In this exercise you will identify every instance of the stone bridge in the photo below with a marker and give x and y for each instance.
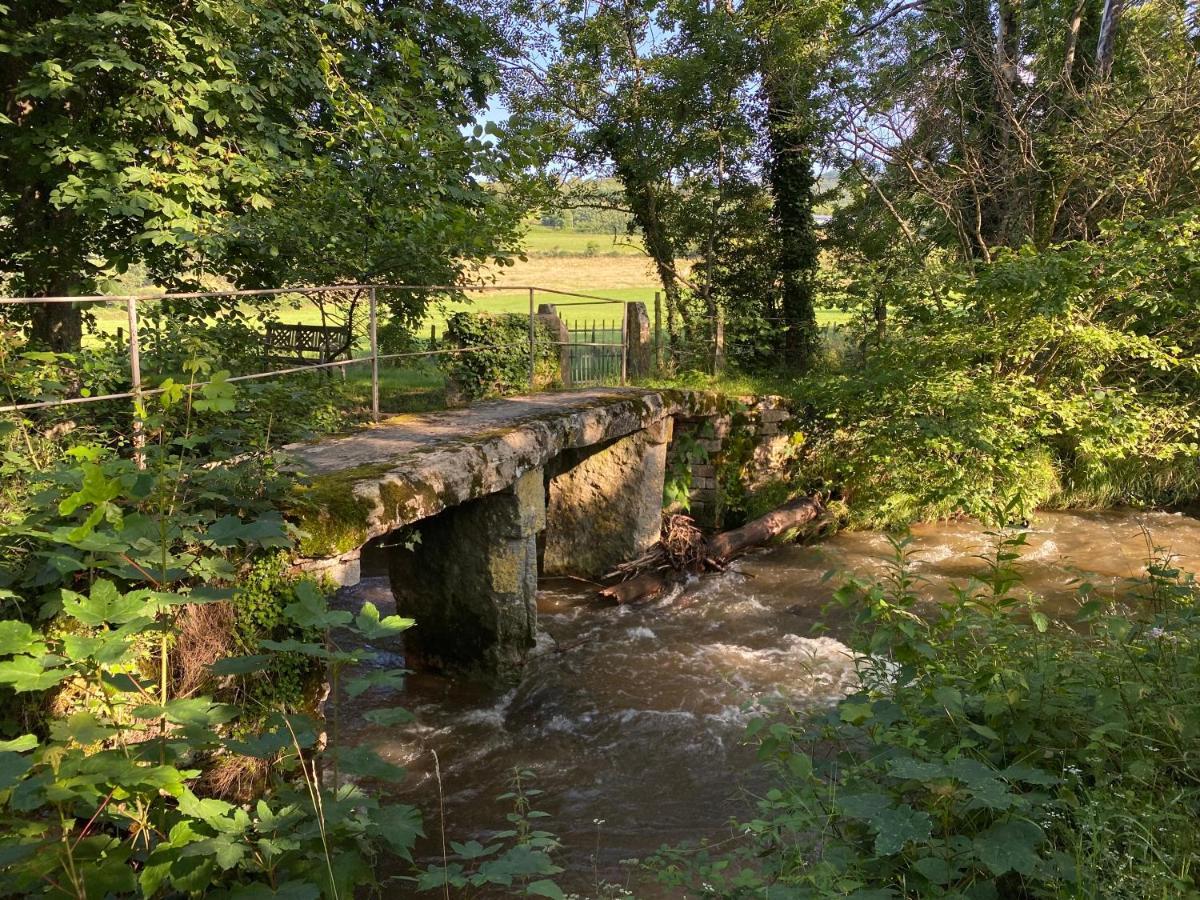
(471, 505)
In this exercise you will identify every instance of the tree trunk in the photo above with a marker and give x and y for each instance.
(643, 200)
(1107, 42)
(983, 145)
(789, 169)
(788, 517)
(57, 327)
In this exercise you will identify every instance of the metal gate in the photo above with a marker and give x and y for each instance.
(596, 351)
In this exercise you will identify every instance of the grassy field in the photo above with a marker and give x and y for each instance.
(625, 275)
(543, 241)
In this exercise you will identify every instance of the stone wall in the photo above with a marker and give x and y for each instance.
(752, 435)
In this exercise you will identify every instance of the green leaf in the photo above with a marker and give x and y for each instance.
(474, 849)
(545, 888)
(105, 605)
(916, 769)
(800, 765)
(1030, 775)
(950, 698)
(15, 637)
(984, 731)
(392, 679)
(81, 727)
(372, 627)
(399, 825)
(193, 711)
(26, 673)
(225, 849)
(938, 870)
(311, 609)
(1010, 846)
(291, 645)
(19, 745)
(896, 827)
(13, 767)
(289, 890)
(13, 852)
(863, 806)
(519, 861)
(366, 762)
(854, 712)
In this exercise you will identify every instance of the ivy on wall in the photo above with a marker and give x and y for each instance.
(500, 363)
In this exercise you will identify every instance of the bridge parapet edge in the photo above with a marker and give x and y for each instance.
(342, 510)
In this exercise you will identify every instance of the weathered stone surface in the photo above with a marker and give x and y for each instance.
(605, 503)
(640, 350)
(412, 467)
(560, 334)
(471, 581)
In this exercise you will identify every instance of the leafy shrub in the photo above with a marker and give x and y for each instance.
(104, 744)
(990, 751)
(501, 365)
(1068, 375)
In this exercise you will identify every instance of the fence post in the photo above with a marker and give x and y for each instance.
(374, 357)
(624, 342)
(532, 348)
(658, 332)
(135, 380)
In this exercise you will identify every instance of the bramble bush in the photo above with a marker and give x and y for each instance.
(991, 750)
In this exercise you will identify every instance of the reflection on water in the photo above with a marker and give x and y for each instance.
(632, 718)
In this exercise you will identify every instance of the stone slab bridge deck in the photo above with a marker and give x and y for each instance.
(561, 483)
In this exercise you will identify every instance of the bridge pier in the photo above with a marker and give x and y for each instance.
(604, 503)
(471, 582)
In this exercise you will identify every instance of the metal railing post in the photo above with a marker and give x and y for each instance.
(135, 381)
(532, 343)
(374, 357)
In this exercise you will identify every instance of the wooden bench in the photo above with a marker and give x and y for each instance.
(302, 344)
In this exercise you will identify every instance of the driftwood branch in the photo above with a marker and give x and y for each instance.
(682, 551)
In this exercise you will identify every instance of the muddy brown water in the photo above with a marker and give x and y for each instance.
(635, 733)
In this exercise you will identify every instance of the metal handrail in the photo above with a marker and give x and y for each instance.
(137, 392)
(306, 289)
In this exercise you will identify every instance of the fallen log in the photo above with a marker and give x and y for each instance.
(717, 550)
(789, 517)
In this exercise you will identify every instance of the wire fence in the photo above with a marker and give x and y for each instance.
(359, 293)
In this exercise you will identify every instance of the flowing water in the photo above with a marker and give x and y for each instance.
(632, 718)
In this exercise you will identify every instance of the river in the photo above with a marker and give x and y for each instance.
(632, 718)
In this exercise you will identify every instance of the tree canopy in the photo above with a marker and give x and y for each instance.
(270, 143)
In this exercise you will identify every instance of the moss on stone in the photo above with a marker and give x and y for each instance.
(336, 519)
(330, 513)
(398, 496)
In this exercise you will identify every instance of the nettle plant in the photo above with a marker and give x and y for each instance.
(118, 700)
(990, 751)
